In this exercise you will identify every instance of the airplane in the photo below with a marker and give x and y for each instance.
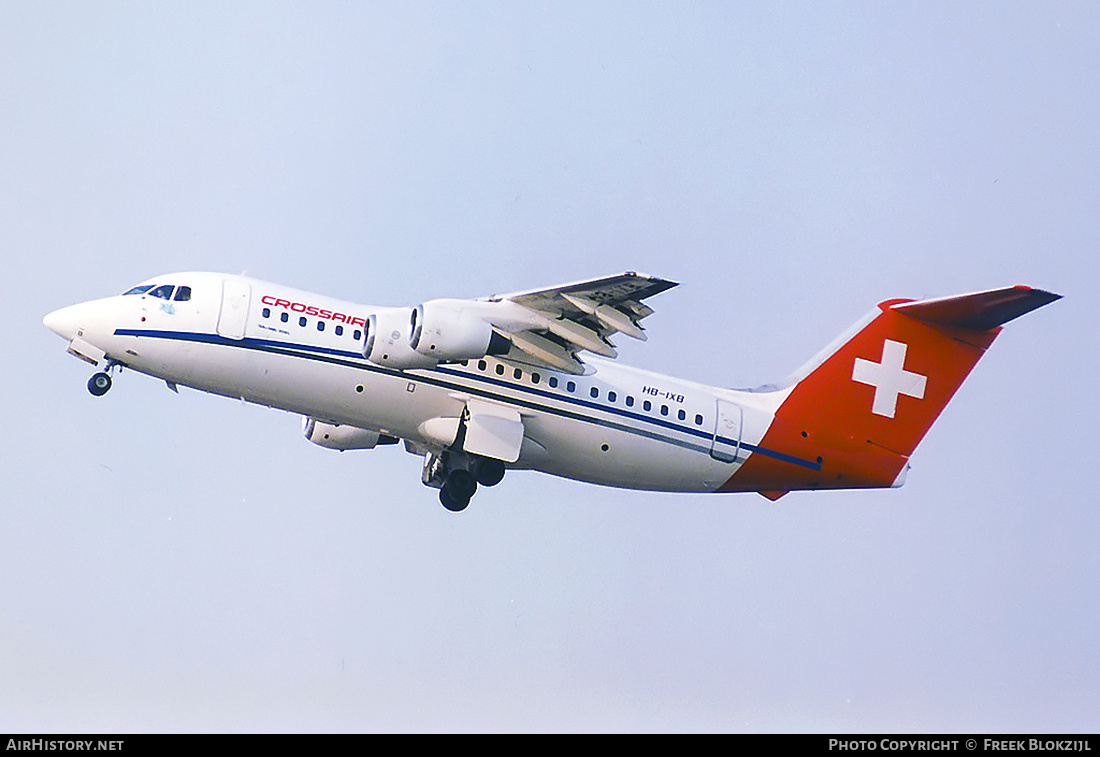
(529, 380)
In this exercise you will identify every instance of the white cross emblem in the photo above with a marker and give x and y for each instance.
(889, 378)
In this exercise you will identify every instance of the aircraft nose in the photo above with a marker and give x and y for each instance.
(63, 322)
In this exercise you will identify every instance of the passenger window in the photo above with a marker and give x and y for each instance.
(357, 335)
(183, 294)
(500, 369)
(594, 392)
(681, 415)
(535, 378)
(664, 409)
(164, 292)
(339, 330)
(647, 406)
(611, 396)
(629, 401)
(266, 312)
(302, 321)
(481, 365)
(698, 420)
(517, 374)
(284, 317)
(320, 325)
(553, 382)
(571, 387)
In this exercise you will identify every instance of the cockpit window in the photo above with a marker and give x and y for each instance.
(164, 291)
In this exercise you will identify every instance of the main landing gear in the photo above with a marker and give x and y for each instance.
(100, 383)
(457, 474)
(457, 489)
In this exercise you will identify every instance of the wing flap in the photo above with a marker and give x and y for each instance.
(544, 351)
(569, 319)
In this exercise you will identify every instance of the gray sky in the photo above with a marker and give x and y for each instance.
(189, 563)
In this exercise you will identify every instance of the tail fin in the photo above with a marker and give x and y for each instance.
(859, 412)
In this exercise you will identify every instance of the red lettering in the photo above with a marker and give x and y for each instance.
(301, 307)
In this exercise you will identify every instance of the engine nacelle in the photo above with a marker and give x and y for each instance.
(386, 340)
(339, 437)
(447, 333)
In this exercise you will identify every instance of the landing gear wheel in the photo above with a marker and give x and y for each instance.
(457, 490)
(461, 483)
(99, 384)
(488, 471)
(452, 504)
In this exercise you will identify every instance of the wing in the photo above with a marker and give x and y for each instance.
(551, 326)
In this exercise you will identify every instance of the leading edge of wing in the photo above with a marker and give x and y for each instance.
(630, 285)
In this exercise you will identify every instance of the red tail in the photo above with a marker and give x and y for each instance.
(856, 416)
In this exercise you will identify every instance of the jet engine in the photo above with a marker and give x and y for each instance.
(439, 331)
(386, 340)
(342, 438)
(446, 332)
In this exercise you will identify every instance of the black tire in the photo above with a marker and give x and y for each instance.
(99, 384)
(461, 484)
(448, 501)
(488, 471)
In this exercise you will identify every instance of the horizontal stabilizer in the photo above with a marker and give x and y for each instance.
(981, 311)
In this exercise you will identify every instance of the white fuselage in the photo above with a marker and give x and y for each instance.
(303, 353)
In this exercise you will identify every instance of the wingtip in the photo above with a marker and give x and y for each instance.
(669, 283)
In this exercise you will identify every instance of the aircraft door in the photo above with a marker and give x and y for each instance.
(726, 442)
(236, 295)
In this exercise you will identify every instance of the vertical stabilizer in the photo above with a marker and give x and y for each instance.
(857, 415)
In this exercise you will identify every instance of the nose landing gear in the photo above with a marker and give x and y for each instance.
(100, 383)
